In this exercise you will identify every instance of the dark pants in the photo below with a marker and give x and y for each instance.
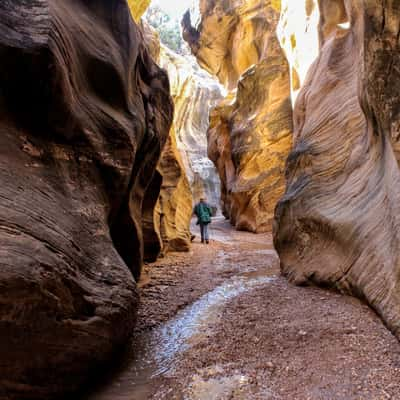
(204, 232)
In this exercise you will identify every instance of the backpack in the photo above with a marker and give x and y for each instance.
(203, 212)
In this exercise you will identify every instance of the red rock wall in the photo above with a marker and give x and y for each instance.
(84, 114)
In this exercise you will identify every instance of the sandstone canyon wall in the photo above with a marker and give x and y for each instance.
(84, 114)
(338, 222)
(175, 204)
(250, 130)
(167, 225)
(194, 92)
(184, 168)
(138, 8)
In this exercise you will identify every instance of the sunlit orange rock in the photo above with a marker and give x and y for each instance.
(175, 204)
(138, 8)
(250, 132)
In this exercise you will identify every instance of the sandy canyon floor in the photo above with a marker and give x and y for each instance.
(220, 323)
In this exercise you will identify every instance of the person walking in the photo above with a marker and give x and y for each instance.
(203, 213)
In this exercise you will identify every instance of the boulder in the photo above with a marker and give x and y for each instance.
(84, 114)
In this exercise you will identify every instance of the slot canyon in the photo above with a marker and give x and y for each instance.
(198, 199)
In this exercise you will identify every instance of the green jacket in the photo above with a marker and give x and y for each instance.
(203, 213)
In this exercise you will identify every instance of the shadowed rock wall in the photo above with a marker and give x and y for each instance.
(84, 113)
(338, 222)
(250, 130)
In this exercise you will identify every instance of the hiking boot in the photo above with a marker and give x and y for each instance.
(202, 241)
(207, 241)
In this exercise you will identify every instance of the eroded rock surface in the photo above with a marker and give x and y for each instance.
(194, 93)
(250, 130)
(175, 204)
(167, 225)
(84, 113)
(338, 221)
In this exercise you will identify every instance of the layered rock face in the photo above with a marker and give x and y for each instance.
(175, 203)
(84, 113)
(194, 93)
(250, 130)
(166, 226)
(338, 222)
(184, 168)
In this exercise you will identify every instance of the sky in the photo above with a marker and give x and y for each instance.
(174, 8)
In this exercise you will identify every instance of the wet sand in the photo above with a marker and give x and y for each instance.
(221, 323)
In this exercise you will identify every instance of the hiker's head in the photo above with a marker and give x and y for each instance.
(202, 200)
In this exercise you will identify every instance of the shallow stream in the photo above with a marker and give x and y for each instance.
(156, 352)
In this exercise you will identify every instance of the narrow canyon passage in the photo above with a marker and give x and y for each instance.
(120, 119)
(221, 323)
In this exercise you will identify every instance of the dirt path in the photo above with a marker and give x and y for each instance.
(220, 323)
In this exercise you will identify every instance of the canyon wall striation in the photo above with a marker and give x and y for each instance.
(338, 222)
(250, 130)
(167, 225)
(194, 92)
(186, 172)
(84, 114)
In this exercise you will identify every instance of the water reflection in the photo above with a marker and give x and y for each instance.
(154, 354)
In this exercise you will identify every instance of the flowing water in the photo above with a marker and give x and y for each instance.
(156, 352)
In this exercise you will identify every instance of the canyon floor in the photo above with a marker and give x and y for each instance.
(220, 323)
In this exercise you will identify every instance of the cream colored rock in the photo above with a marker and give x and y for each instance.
(250, 131)
(338, 222)
(166, 227)
(298, 35)
(195, 93)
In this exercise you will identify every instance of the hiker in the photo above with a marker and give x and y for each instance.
(203, 213)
